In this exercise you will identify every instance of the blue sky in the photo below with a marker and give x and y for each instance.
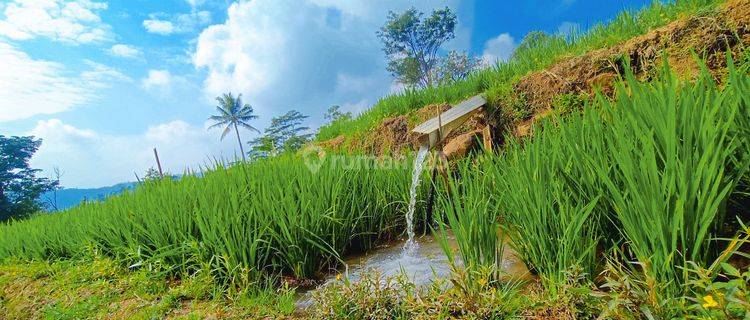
(103, 82)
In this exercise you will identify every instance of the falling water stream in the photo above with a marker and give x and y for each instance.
(415, 179)
(421, 259)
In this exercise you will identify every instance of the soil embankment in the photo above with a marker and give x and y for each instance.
(708, 36)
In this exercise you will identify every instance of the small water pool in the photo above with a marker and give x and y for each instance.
(422, 263)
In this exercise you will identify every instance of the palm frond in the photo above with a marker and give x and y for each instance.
(217, 118)
(247, 126)
(216, 125)
(222, 111)
(226, 131)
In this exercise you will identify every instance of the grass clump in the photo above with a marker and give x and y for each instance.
(100, 288)
(378, 297)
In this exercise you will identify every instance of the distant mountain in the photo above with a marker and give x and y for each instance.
(70, 197)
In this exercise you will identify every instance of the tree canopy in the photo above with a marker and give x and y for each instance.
(20, 188)
(412, 45)
(286, 133)
(334, 114)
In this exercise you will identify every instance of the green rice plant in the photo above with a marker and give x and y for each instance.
(540, 195)
(672, 148)
(549, 221)
(245, 224)
(473, 221)
(651, 172)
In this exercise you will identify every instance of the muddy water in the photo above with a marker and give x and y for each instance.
(423, 262)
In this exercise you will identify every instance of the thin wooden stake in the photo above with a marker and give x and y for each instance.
(487, 138)
(158, 163)
(440, 127)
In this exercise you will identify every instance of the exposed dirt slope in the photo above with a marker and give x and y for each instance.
(708, 35)
(394, 134)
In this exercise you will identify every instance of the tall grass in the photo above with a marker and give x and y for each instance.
(473, 223)
(651, 172)
(248, 221)
(672, 148)
(534, 55)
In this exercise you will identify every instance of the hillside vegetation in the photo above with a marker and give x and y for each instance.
(554, 70)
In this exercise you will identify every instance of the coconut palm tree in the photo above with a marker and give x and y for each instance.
(233, 114)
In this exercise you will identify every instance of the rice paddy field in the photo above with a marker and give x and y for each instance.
(629, 205)
(249, 222)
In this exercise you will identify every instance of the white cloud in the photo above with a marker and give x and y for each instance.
(164, 83)
(126, 51)
(159, 27)
(157, 78)
(99, 75)
(31, 87)
(165, 24)
(567, 28)
(73, 21)
(499, 48)
(196, 3)
(328, 54)
(92, 159)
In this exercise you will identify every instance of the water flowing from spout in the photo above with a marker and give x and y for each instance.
(415, 178)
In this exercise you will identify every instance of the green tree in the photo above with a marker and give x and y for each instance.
(20, 189)
(262, 147)
(412, 44)
(152, 174)
(286, 133)
(334, 114)
(233, 114)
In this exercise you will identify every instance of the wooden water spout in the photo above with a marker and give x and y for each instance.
(433, 131)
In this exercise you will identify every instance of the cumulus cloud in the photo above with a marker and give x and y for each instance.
(166, 24)
(158, 26)
(126, 51)
(164, 83)
(157, 78)
(31, 87)
(92, 159)
(328, 54)
(499, 48)
(196, 3)
(73, 21)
